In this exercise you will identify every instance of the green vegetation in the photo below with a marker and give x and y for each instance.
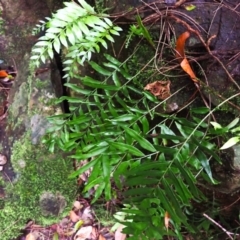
(155, 161)
(23, 195)
(79, 29)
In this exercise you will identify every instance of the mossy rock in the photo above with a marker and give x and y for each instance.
(41, 172)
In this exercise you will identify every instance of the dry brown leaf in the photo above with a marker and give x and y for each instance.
(94, 233)
(73, 216)
(160, 89)
(87, 214)
(166, 220)
(180, 45)
(101, 237)
(83, 233)
(31, 236)
(187, 68)
(77, 205)
(119, 235)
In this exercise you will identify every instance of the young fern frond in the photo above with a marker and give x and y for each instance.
(78, 28)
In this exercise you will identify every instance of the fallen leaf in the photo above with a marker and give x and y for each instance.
(3, 74)
(166, 220)
(83, 233)
(101, 237)
(94, 233)
(78, 225)
(180, 54)
(87, 215)
(118, 234)
(73, 216)
(187, 68)
(160, 89)
(180, 44)
(31, 236)
(55, 236)
(77, 205)
(190, 7)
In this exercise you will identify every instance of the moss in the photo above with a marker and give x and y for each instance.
(41, 172)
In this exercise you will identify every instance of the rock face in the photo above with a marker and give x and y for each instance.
(32, 169)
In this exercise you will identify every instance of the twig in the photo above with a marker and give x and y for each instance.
(224, 230)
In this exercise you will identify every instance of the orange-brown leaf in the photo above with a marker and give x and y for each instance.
(73, 216)
(180, 44)
(101, 237)
(166, 220)
(3, 74)
(187, 68)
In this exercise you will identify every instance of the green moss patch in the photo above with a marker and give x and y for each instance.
(39, 172)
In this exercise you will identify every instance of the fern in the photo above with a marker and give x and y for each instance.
(159, 175)
(110, 125)
(76, 27)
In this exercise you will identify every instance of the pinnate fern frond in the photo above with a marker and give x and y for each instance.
(111, 126)
(76, 27)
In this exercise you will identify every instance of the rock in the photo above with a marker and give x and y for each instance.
(39, 125)
(52, 204)
(3, 159)
(236, 158)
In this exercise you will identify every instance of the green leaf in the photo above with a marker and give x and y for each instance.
(110, 38)
(200, 110)
(94, 152)
(205, 163)
(233, 123)
(87, 6)
(88, 81)
(77, 88)
(125, 148)
(109, 22)
(116, 79)
(42, 43)
(100, 69)
(142, 141)
(167, 204)
(216, 125)
(50, 53)
(91, 20)
(172, 196)
(231, 142)
(56, 23)
(83, 27)
(70, 36)
(188, 177)
(145, 125)
(54, 30)
(56, 45)
(150, 97)
(166, 130)
(99, 191)
(124, 118)
(182, 189)
(83, 168)
(112, 59)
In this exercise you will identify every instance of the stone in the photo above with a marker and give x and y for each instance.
(3, 159)
(52, 204)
